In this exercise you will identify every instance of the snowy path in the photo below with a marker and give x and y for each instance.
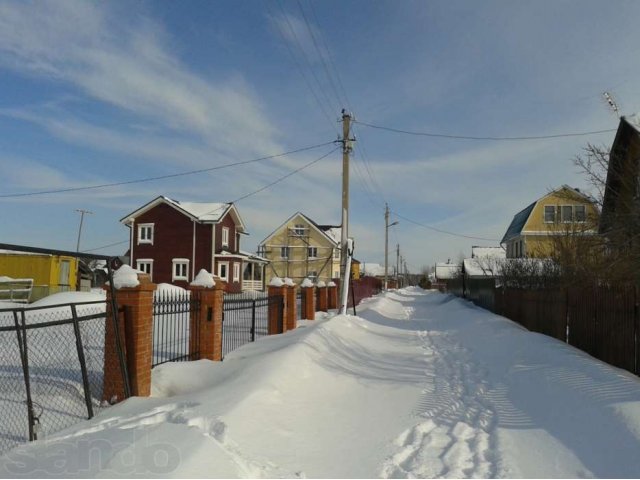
(419, 385)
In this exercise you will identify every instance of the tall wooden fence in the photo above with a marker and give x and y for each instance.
(602, 321)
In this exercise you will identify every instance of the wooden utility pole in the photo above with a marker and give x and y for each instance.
(346, 150)
(81, 212)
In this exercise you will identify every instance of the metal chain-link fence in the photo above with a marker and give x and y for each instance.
(52, 369)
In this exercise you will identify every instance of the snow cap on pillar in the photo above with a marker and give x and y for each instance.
(203, 279)
(276, 282)
(306, 283)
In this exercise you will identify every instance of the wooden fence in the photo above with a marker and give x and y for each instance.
(602, 321)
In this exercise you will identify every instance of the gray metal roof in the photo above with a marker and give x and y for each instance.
(518, 222)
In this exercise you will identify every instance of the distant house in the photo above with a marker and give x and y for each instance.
(445, 274)
(50, 273)
(301, 248)
(621, 203)
(532, 231)
(172, 240)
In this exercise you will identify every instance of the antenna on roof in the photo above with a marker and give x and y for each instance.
(611, 103)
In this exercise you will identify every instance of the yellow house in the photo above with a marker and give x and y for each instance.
(301, 248)
(50, 273)
(534, 231)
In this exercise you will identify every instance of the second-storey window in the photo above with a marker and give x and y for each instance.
(312, 252)
(284, 252)
(549, 213)
(145, 233)
(567, 213)
(180, 269)
(236, 272)
(298, 229)
(225, 236)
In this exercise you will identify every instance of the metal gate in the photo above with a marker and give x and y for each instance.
(176, 332)
(245, 318)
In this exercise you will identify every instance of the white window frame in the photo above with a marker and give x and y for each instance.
(182, 262)
(312, 275)
(225, 236)
(336, 254)
(311, 250)
(562, 209)
(236, 272)
(143, 227)
(145, 261)
(226, 276)
(299, 229)
(544, 214)
(286, 252)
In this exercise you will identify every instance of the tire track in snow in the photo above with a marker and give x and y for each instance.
(455, 437)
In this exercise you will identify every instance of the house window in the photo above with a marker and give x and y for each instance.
(567, 213)
(180, 269)
(225, 236)
(336, 253)
(145, 265)
(299, 230)
(284, 252)
(336, 274)
(580, 213)
(223, 271)
(236, 272)
(549, 214)
(312, 252)
(145, 233)
(313, 274)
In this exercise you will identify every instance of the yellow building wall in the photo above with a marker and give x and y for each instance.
(297, 266)
(355, 270)
(540, 245)
(43, 269)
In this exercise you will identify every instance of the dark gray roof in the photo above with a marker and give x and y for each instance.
(517, 224)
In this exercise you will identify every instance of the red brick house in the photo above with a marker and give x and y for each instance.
(172, 241)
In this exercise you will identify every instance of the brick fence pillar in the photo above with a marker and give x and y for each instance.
(277, 310)
(136, 333)
(321, 290)
(206, 332)
(291, 310)
(332, 296)
(309, 302)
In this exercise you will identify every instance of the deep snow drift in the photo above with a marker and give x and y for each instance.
(420, 384)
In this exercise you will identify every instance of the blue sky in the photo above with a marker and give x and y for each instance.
(101, 92)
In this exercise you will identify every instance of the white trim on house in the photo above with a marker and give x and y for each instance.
(145, 261)
(180, 275)
(236, 272)
(224, 277)
(143, 238)
(225, 236)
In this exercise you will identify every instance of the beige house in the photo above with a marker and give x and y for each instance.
(534, 231)
(301, 248)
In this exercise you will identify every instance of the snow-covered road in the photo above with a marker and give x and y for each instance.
(420, 384)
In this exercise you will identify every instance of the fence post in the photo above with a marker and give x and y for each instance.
(138, 325)
(277, 309)
(321, 291)
(332, 296)
(290, 312)
(309, 302)
(208, 331)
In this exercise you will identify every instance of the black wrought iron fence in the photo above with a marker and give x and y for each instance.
(176, 333)
(245, 318)
(52, 369)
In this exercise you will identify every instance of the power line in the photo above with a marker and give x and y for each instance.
(162, 177)
(261, 189)
(105, 246)
(429, 227)
(467, 137)
(304, 76)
